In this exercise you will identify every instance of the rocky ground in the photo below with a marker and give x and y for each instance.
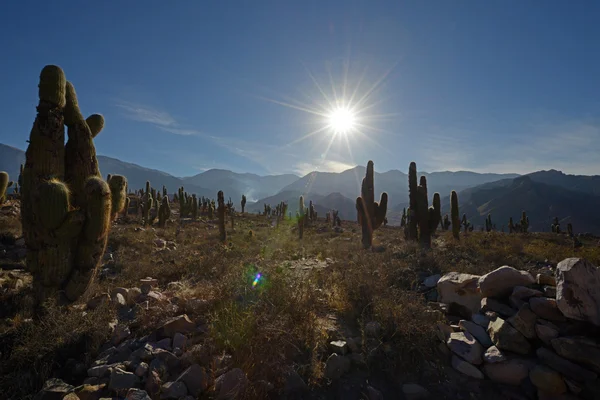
(177, 315)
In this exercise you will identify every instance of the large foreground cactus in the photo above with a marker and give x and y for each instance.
(66, 205)
(4, 185)
(370, 213)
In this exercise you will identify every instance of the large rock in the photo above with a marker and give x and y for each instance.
(524, 321)
(546, 331)
(195, 379)
(464, 367)
(53, 389)
(564, 366)
(477, 331)
(459, 288)
(579, 349)
(510, 372)
(489, 304)
(493, 355)
(231, 384)
(547, 380)
(506, 337)
(173, 390)
(546, 308)
(121, 380)
(179, 324)
(465, 345)
(578, 290)
(501, 282)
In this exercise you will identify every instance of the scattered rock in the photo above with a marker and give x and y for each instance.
(432, 281)
(164, 344)
(525, 293)
(137, 394)
(120, 333)
(547, 380)
(90, 392)
(443, 331)
(465, 345)
(231, 384)
(339, 347)
(179, 341)
(336, 366)
(460, 288)
(501, 281)
(546, 308)
(120, 380)
(141, 370)
(524, 321)
(543, 279)
(489, 304)
(53, 389)
(195, 379)
(98, 301)
(481, 320)
(374, 394)
(179, 324)
(147, 284)
(373, 329)
(100, 371)
(564, 366)
(119, 300)
(510, 372)
(546, 331)
(493, 355)
(294, 383)
(550, 291)
(153, 384)
(477, 331)
(578, 349)
(412, 391)
(464, 367)
(578, 290)
(160, 244)
(132, 295)
(505, 337)
(173, 390)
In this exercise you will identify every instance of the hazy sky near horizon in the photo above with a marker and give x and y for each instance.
(185, 86)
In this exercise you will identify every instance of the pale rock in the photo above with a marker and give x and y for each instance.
(546, 308)
(493, 355)
(524, 321)
(336, 366)
(179, 324)
(506, 337)
(578, 290)
(509, 372)
(466, 368)
(501, 281)
(477, 331)
(465, 345)
(460, 288)
(338, 346)
(547, 380)
(119, 300)
(543, 279)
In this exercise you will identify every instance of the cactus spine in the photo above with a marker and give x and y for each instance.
(164, 212)
(221, 214)
(454, 215)
(65, 203)
(118, 192)
(370, 213)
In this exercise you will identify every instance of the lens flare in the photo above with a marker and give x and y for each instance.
(256, 280)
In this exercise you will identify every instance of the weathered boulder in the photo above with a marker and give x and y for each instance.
(179, 324)
(489, 304)
(578, 290)
(546, 331)
(547, 380)
(481, 320)
(524, 321)
(506, 337)
(53, 389)
(546, 308)
(464, 367)
(173, 390)
(195, 378)
(231, 384)
(501, 282)
(493, 355)
(564, 366)
(525, 293)
(459, 288)
(465, 345)
(477, 331)
(120, 380)
(579, 349)
(509, 372)
(545, 279)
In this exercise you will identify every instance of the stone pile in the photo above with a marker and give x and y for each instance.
(538, 333)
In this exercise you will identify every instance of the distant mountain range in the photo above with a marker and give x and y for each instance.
(543, 194)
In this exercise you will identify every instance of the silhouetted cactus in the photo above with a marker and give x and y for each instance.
(437, 207)
(371, 214)
(465, 223)
(127, 204)
(511, 225)
(164, 212)
(413, 200)
(65, 204)
(556, 225)
(118, 192)
(570, 230)
(454, 215)
(301, 217)
(3, 185)
(488, 223)
(243, 202)
(221, 214)
(194, 207)
(446, 223)
(524, 222)
(403, 219)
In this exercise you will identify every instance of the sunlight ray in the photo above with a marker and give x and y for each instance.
(318, 87)
(282, 103)
(376, 85)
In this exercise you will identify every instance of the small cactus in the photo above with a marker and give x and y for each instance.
(454, 214)
(221, 214)
(555, 226)
(488, 223)
(118, 192)
(524, 222)
(301, 217)
(413, 199)
(3, 185)
(243, 202)
(164, 212)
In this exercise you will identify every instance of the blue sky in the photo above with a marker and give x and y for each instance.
(185, 86)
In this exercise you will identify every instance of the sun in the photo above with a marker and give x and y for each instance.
(342, 120)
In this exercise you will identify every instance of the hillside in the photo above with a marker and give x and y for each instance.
(323, 204)
(542, 202)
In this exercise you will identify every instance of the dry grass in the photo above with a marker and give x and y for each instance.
(285, 321)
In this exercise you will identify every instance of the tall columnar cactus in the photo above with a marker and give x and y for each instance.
(412, 196)
(20, 180)
(118, 192)
(66, 205)
(371, 214)
(570, 229)
(194, 207)
(164, 212)
(164, 191)
(437, 207)
(524, 222)
(243, 202)
(147, 204)
(511, 225)
(427, 217)
(556, 225)
(311, 209)
(488, 223)
(301, 217)
(3, 185)
(454, 215)
(445, 223)
(465, 223)
(221, 213)
(127, 204)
